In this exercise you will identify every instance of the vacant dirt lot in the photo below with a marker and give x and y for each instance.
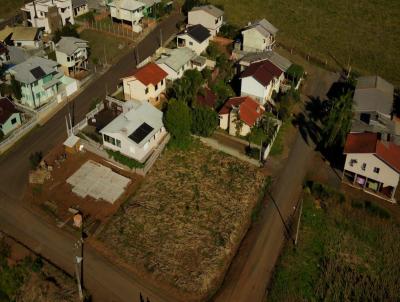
(186, 221)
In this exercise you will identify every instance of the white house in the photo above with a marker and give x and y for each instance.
(260, 80)
(127, 11)
(10, 116)
(147, 84)
(259, 36)
(21, 36)
(136, 132)
(49, 14)
(80, 7)
(209, 16)
(239, 115)
(176, 61)
(372, 164)
(72, 54)
(196, 38)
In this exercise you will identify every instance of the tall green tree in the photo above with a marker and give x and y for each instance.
(187, 88)
(204, 121)
(68, 30)
(338, 121)
(177, 120)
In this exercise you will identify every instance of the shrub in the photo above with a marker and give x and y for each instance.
(68, 30)
(126, 161)
(35, 159)
(204, 121)
(178, 122)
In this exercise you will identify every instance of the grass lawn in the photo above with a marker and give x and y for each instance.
(365, 31)
(102, 45)
(186, 221)
(346, 252)
(10, 7)
(278, 145)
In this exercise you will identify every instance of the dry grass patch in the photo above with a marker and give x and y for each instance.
(188, 218)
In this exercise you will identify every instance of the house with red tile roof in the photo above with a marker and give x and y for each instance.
(372, 164)
(10, 116)
(146, 84)
(239, 115)
(259, 80)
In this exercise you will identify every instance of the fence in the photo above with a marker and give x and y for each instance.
(111, 28)
(83, 123)
(267, 150)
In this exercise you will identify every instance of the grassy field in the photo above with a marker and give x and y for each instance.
(346, 252)
(105, 46)
(188, 218)
(366, 32)
(10, 7)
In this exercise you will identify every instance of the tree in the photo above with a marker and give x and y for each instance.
(204, 121)
(338, 121)
(189, 4)
(16, 88)
(68, 30)
(178, 122)
(229, 31)
(223, 92)
(186, 88)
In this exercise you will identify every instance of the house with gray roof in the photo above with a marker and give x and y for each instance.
(253, 57)
(136, 132)
(209, 16)
(373, 105)
(259, 36)
(41, 81)
(176, 61)
(72, 54)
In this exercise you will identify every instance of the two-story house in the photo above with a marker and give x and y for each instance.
(372, 164)
(259, 80)
(373, 104)
(259, 36)
(239, 115)
(72, 54)
(128, 12)
(21, 36)
(147, 84)
(80, 7)
(41, 81)
(196, 38)
(49, 14)
(209, 16)
(10, 116)
(136, 132)
(176, 61)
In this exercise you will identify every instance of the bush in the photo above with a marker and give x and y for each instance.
(295, 72)
(126, 161)
(371, 208)
(35, 159)
(204, 121)
(229, 31)
(68, 30)
(178, 122)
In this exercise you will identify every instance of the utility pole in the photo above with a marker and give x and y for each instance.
(105, 55)
(298, 222)
(78, 222)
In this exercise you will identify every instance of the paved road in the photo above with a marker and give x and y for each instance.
(252, 268)
(105, 281)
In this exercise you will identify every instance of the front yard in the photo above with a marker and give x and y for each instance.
(186, 221)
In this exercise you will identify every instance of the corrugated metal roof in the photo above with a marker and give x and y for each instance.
(211, 9)
(176, 58)
(263, 27)
(69, 45)
(23, 70)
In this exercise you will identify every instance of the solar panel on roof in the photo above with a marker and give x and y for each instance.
(38, 72)
(140, 133)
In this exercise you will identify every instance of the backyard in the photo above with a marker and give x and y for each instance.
(346, 252)
(364, 33)
(186, 221)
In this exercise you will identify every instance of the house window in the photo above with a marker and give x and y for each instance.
(68, 59)
(118, 143)
(216, 21)
(156, 87)
(376, 170)
(162, 82)
(352, 162)
(14, 121)
(109, 139)
(363, 166)
(146, 91)
(190, 43)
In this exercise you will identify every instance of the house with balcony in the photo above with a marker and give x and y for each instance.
(136, 132)
(176, 61)
(42, 81)
(80, 7)
(259, 36)
(72, 55)
(259, 80)
(195, 37)
(209, 16)
(239, 115)
(147, 84)
(10, 116)
(372, 164)
(48, 14)
(373, 104)
(128, 12)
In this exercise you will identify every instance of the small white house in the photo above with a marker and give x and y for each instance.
(49, 14)
(196, 38)
(127, 11)
(80, 7)
(209, 16)
(260, 80)
(147, 84)
(259, 36)
(176, 61)
(371, 164)
(10, 116)
(21, 36)
(72, 54)
(239, 115)
(136, 132)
